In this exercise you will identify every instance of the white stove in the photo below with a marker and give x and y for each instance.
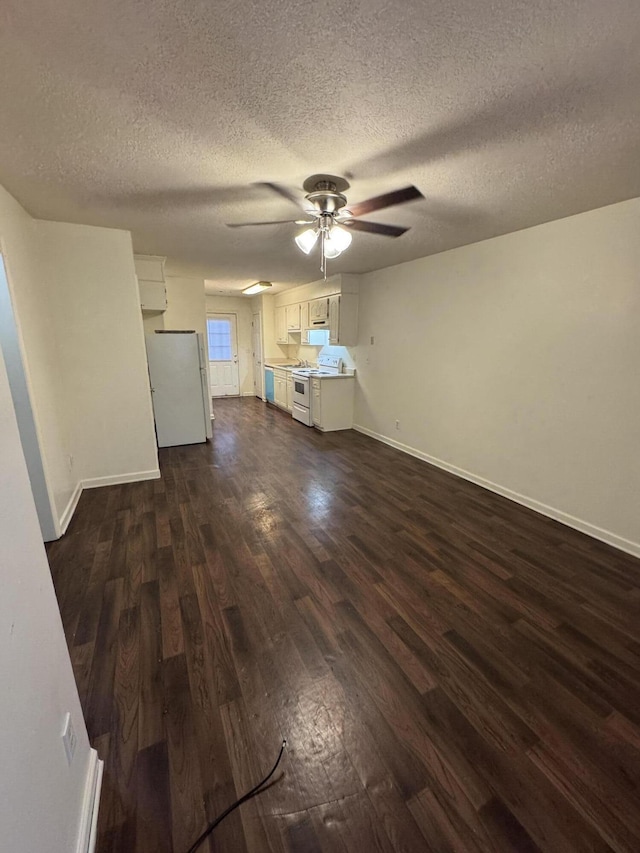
(328, 365)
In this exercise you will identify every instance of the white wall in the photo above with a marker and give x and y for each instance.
(19, 240)
(243, 308)
(41, 797)
(516, 361)
(94, 310)
(11, 347)
(77, 310)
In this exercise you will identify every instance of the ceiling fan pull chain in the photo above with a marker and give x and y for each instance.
(323, 260)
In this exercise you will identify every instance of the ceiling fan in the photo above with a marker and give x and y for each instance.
(328, 217)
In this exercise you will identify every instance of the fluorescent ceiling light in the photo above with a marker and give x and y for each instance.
(258, 287)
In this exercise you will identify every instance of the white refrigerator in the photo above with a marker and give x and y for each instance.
(179, 387)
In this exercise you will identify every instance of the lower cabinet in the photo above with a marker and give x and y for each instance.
(280, 388)
(332, 403)
(289, 391)
(316, 403)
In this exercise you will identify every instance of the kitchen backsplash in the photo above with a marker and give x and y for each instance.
(308, 353)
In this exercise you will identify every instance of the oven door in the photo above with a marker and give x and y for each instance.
(301, 392)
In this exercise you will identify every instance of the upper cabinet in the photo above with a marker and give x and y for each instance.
(318, 311)
(304, 323)
(282, 335)
(293, 317)
(334, 319)
(343, 320)
(153, 295)
(150, 274)
(330, 305)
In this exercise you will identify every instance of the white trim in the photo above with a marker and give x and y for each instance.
(248, 394)
(613, 539)
(88, 831)
(118, 479)
(96, 482)
(70, 508)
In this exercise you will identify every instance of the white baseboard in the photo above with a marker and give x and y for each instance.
(88, 831)
(599, 533)
(96, 482)
(70, 508)
(117, 479)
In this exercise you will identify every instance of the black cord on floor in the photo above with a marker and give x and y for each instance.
(252, 793)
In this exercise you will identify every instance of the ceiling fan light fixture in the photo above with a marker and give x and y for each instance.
(340, 238)
(330, 251)
(307, 240)
(258, 287)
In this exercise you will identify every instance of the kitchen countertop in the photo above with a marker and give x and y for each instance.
(291, 367)
(332, 376)
(281, 366)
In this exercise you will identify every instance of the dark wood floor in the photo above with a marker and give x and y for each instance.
(451, 671)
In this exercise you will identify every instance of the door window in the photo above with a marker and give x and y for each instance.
(219, 340)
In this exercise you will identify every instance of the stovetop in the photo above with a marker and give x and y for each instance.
(329, 365)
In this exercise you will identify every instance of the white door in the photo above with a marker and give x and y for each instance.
(222, 339)
(258, 373)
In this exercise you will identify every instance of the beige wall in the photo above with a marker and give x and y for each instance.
(515, 361)
(36, 369)
(243, 309)
(94, 310)
(77, 310)
(41, 798)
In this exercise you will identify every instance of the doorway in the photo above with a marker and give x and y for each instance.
(256, 342)
(10, 345)
(222, 340)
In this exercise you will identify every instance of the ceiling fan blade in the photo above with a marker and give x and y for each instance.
(376, 228)
(387, 200)
(274, 222)
(285, 193)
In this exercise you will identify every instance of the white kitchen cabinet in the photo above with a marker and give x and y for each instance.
(280, 388)
(282, 336)
(292, 314)
(304, 323)
(332, 403)
(318, 310)
(316, 403)
(334, 319)
(343, 319)
(289, 405)
(153, 295)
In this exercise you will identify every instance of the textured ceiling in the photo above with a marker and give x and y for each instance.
(161, 116)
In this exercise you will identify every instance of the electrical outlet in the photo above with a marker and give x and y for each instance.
(397, 424)
(371, 340)
(69, 738)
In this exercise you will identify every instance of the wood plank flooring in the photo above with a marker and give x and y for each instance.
(452, 672)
